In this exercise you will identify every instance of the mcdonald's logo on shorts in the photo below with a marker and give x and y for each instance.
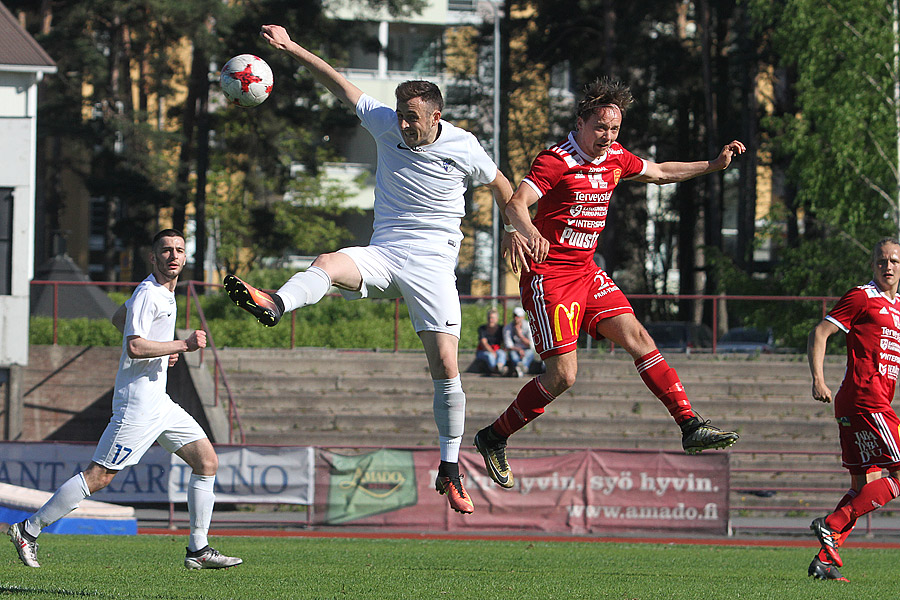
(571, 316)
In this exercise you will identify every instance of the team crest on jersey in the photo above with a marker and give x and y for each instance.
(616, 174)
(448, 164)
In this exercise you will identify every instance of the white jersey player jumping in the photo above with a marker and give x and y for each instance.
(144, 413)
(424, 164)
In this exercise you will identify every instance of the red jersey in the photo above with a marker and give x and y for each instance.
(574, 191)
(872, 324)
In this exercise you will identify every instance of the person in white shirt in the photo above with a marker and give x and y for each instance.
(144, 413)
(424, 166)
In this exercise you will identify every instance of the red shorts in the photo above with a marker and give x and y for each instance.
(559, 303)
(870, 440)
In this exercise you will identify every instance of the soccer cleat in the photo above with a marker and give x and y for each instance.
(209, 558)
(456, 494)
(494, 454)
(823, 570)
(27, 549)
(828, 539)
(698, 436)
(259, 304)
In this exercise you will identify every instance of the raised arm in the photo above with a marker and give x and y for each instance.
(337, 84)
(674, 172)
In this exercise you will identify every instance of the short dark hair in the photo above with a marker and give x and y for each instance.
(165, 233)
(425, 90)
(604, 91)
(883, 242)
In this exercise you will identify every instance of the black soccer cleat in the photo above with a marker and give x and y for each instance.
(698, 435)
(493, 450)
(266, 308)
(823, 570)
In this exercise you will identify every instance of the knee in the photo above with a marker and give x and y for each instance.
(207, 464)
(323, 261)
(97, 478)
(558, 381)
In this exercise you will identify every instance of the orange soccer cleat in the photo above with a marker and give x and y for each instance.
(456, 494)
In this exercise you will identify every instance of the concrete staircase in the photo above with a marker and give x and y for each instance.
(316, 396)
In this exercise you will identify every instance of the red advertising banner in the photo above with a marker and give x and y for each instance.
(577, 492)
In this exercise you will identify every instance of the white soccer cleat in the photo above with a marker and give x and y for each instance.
(27, 549)
(209, 558)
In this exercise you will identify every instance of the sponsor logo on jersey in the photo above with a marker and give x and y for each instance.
(597, 181)
(594, 198)
(580, 210)
(570, 316)
(614, 151)
(586, 224)
(578, 239)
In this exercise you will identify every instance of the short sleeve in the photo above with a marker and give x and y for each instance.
(141, 311)
(848, 309)
(375, 116)
(632, 166)
(546, 171)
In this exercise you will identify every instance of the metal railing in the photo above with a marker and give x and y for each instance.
(234, 420)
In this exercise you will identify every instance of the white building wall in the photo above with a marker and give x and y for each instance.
(18, 139)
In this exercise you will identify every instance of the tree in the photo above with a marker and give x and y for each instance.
(133, 117)
(841, 136)
(681, 64)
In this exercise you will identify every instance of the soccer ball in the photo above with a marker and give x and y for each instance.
(246, 80)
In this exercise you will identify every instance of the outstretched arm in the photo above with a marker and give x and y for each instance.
(674, 172)
(337, 84)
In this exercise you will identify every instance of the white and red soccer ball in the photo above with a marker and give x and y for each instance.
(246, 80)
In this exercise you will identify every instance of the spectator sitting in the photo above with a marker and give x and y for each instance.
(518, 344)
(490, 344)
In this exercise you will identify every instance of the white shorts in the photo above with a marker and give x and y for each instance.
(123, 443)
(425, 279)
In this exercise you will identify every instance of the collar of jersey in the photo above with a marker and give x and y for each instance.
(581, 154)
(883, 295)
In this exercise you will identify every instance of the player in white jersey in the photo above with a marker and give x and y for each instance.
(143, 413)
(424, 164)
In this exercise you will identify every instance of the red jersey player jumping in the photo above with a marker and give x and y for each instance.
(562, 288)
(868, 427)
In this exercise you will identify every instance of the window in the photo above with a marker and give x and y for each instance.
(415, 49)
(6, 229)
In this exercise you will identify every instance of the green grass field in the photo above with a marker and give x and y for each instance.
(149, 567)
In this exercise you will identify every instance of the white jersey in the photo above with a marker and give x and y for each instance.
(419, 192)
(141, 382)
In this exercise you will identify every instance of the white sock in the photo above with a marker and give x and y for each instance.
(200, 501)
(449, 416)
(304, 288)
(450, 448)
(65, 500)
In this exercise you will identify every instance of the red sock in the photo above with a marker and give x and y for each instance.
(527, 406)
(663, 381)
(845, 499)
(874, 494)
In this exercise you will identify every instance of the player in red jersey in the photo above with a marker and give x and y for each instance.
(562, 288)
(868, 427)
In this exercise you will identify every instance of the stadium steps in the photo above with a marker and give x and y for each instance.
(338, 398)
